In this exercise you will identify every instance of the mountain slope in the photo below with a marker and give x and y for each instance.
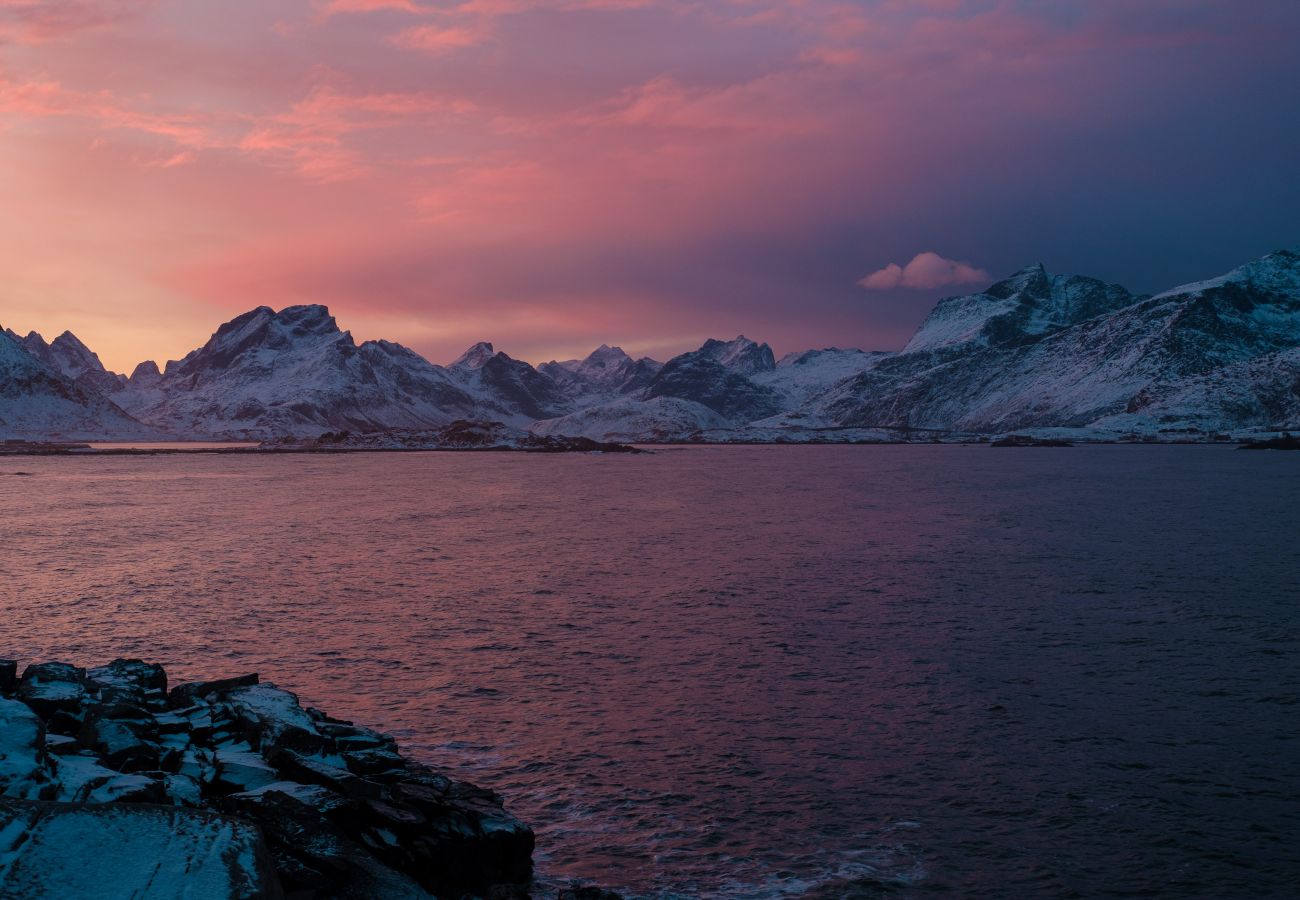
(37, 402)
(1009, 370)
(505, 388)
(607, 373)
(269, 374)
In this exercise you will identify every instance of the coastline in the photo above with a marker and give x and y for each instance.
(231, 788)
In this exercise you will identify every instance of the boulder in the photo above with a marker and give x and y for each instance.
(121, 743)
(53, 687)
(343, 813)
(272, 719)
(135, 852)
(586, 892)
(186, 694)
(25, 768)
(8, 675)
(130, 681)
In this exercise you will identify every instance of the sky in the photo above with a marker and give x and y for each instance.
(554, 174)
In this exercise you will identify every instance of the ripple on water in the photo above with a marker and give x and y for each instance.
(745, 672)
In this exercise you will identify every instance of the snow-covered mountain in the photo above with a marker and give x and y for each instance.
(607, 373)
(507, 389)
(1034, 351)
(39, 402)
(1044, 351)
(293, 372)
(68, 355)
(715, 386)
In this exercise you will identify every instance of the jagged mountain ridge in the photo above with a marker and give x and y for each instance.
(37, 402)
(1074, 373)
(1035, 350)
(294, 372)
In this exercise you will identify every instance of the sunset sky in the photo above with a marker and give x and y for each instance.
(551, 174)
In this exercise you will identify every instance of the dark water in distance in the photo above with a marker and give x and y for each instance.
(745, 671)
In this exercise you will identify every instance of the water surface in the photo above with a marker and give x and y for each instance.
(744, 671)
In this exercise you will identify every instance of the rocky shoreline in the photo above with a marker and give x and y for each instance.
(113, 785)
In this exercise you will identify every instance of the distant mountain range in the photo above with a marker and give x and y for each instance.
(1033, 352)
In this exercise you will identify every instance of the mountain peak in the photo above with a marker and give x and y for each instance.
(604, 356)
(475, 356)
(740, 355)
(312, 317)
(75, 354)
(1033, 280)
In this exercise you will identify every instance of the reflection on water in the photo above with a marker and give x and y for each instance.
(748, 671)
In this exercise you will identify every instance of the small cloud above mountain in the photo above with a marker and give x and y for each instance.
(926, 271)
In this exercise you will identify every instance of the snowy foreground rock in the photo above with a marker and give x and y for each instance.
(112, 786)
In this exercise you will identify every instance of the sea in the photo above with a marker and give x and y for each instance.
(743, 672)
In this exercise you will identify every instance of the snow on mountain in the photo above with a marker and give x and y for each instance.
(475, 356)
(1259, 394)
(801, 377)
(38, 402)
(1026, 306)
(269, 374)
(742, 355)
(658, 419)
(146, 375)
(721, 386)
(507, 389)
(1035, 351)
(69, 356)
(606, 373)
(1018, 373)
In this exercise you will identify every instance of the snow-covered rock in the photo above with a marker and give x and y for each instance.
(130, 853)
(342, 811)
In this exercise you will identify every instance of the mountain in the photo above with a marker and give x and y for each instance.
(1062, 351)
(69, 356)
(293, 372)
(724, 385)
(507, 389)
(1033, 351)
(39, 402)
(608, 372)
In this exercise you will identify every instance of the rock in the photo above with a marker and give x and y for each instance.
(64, 723)
(122, 743)
(1025, 440)
(199, 764)
(307, 770)
(61, 744)
(586, 892)
(53, 687)
(311, 850)
(244, 770)
(130, 680)
(8, 675)
(379, 761)
(1285, 442)
(186, 695)
(139, 852)
(25, 769)
(344, 814)
(271, 719)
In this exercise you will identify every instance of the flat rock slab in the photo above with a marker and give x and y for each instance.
(116, 852)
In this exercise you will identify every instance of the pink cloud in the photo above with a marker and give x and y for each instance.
(645, 163)
(926, 271)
